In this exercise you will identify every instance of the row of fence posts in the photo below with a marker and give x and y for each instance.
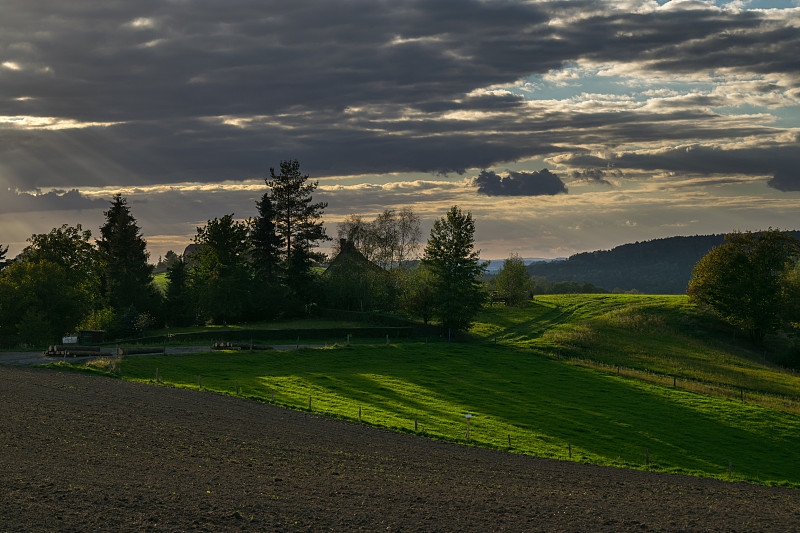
(674, 378)
(416, 422)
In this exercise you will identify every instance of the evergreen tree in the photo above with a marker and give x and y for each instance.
(127, 276)
(265, 241)
(178, 301)
(169, 259)
(297, 223)
(455, 269)
(221, 275)
(3, 252)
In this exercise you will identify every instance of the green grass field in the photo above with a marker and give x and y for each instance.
(161, 282)
(518, 388)
(652, 337)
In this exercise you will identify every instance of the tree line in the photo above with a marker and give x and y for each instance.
(239, 270)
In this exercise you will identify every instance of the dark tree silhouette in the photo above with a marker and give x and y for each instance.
(748, 280)
(178, 300)
(265, 241)
(455, 270)
(221, 275)
(297, 223)
(3, 252)
(127, 276)
(50, 288)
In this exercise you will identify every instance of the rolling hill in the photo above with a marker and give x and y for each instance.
(660, 266)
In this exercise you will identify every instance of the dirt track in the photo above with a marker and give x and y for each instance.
(82, 453)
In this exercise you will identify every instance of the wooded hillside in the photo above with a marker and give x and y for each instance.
(660, 266)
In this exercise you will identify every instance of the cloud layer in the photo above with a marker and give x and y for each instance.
(160, 92)
(617, 99)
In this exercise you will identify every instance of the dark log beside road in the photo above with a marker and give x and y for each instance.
(72, 350)
(140, 350)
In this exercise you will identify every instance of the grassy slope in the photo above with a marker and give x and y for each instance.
(662, 334)
(161, 282)
(516, 389)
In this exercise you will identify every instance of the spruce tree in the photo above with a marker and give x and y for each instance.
(265, 241)
(127, 278)
(451, 257)
(221, 272)
(297, 223)
(177, 300)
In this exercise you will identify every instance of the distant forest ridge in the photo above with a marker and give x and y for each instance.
(660, 266)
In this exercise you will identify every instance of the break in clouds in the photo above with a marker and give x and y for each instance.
(154, 92)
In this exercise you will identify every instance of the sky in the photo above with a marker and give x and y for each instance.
(562, 126)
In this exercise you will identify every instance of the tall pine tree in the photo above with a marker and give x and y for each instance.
(127, 276)
(297, 223)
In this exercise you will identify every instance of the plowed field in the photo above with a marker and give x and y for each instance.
(81, 453)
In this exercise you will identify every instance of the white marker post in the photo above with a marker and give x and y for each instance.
(469, 417)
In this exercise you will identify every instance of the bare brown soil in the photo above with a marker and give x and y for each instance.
(80, 453)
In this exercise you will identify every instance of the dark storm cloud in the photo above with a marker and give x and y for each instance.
(788, 180)
(780, 160)
(539, 183)
(591, 175)
(364, 86)
(19, 202)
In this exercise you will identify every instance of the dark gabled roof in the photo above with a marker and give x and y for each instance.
(350, 259)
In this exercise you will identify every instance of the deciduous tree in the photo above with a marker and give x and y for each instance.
(746, 280)
(513, 282)
(50, 288)
(389, 241)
